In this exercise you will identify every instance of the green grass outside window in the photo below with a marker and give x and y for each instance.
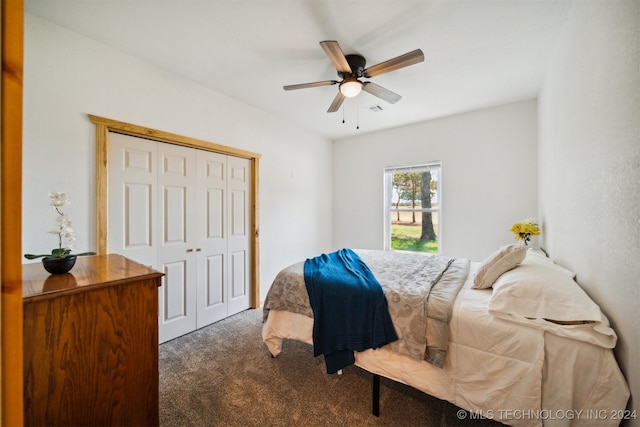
(407, 238)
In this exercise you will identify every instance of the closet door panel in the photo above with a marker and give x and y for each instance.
(176, 240)
(212, 237)
(238, 214)
(238, 275)
(175, 292)
(214, 282)
(132, 198)
(174, 213)
(214, 213)
(238, 245)
(138, 227)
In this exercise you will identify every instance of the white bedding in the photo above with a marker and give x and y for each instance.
(521, 375)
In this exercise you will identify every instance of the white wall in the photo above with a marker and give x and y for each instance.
(68, 76)
(488, 177)
(589, 168)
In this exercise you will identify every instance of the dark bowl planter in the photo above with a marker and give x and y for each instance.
(59, 265)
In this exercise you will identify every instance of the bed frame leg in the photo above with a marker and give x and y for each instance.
(375, 395)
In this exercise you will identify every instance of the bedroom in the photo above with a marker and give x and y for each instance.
(579, 176)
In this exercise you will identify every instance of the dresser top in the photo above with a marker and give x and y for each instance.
(88, 272)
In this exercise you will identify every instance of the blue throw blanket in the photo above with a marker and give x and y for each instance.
(349, 308)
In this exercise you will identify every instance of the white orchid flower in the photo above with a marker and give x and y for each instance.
(66, 235)
(59, 199)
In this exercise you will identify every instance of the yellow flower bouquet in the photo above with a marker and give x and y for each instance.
(524, 230)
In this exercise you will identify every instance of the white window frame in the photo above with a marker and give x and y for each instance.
(388, 196)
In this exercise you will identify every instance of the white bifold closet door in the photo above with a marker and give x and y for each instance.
(186, 212)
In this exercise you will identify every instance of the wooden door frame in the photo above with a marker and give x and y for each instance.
(104, 126)
(11, 88)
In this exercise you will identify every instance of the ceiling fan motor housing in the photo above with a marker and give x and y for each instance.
(357, 64)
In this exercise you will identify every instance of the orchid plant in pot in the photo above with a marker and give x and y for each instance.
(60, 260)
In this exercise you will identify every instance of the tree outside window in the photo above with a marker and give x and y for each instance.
(412, 208)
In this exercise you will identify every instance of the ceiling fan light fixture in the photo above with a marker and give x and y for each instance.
(350, 87)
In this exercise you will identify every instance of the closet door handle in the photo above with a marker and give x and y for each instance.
(198, 249)
(190, 250)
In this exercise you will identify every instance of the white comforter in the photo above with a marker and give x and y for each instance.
(518, 374)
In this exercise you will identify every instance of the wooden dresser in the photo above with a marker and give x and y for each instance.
(91, 344)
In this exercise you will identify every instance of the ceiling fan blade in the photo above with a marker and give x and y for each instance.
(314, 84)
(380, 92)
(335, 54)
(337, 102)
(401, 61)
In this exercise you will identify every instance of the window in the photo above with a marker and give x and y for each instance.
(412, 208)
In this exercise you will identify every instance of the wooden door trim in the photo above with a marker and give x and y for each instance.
(104, 126)
(11, 338)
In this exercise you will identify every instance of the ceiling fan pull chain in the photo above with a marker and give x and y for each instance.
(358, 116)
(342, 113)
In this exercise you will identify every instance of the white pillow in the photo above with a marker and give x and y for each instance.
(539, 291)
(537, 257)
(502, 260)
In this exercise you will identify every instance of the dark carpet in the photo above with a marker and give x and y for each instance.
(224, 375)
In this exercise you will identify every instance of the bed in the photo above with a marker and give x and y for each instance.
(524, 344)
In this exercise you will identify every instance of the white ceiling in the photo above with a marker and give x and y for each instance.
(478, 53)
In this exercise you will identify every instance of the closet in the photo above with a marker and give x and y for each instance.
(187, 213)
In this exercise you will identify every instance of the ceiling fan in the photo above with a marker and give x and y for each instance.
(352, 67)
